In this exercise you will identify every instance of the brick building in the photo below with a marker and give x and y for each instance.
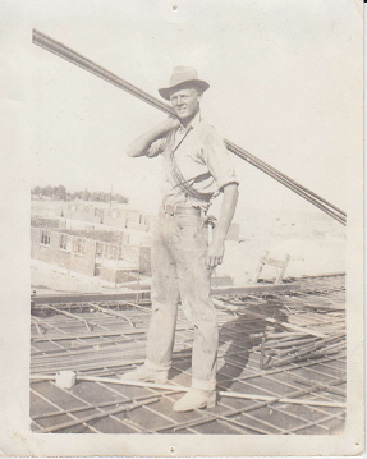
(95, 253)
(117, 216)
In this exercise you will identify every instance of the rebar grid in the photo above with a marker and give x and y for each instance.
(114, 347)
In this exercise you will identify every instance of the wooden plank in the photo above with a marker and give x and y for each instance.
(284, 400)
(257, 288)
(179, 388)
(87, 297)
(145, 295)
(96, 334)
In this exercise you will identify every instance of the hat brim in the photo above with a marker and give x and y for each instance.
(165, 92)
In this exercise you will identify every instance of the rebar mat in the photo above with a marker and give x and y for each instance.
(281, 345)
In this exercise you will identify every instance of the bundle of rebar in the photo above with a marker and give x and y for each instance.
(292, 329)
(284, 349)
(68, 54)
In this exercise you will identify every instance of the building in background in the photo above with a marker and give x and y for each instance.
(94, 253)
(118, 216)
(95, 239)
(108, 240)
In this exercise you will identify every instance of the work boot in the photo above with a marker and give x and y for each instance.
(195, 399)
(147, 374)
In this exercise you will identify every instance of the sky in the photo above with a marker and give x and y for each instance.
(283, 78)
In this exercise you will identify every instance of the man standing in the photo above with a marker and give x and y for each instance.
(196, 167)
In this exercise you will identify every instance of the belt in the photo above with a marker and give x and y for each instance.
(182, 210)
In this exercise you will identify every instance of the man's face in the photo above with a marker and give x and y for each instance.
(185, 102)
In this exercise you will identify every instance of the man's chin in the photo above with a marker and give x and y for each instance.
(185, 117)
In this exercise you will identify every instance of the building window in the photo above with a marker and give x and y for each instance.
(80, 248)
(140, 219)
(45, 237)
(99, 249)
(64, 238)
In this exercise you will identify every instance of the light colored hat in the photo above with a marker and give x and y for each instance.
(181, 77)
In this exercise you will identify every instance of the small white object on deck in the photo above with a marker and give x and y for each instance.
(65, 379)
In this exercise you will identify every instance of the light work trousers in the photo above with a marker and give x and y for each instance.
(179, 271)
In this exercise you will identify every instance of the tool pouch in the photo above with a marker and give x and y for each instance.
(210, 221)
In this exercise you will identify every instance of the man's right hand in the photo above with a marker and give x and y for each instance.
(141, 145)
(169, 124)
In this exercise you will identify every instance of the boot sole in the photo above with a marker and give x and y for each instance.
(202, 407)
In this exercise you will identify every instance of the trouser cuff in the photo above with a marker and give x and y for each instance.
(155, 366)
(203, 385)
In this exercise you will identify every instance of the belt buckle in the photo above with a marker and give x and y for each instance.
(169, 210)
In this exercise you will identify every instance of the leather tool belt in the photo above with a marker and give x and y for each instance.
(172, 211)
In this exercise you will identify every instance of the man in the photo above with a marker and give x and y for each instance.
(196, 167)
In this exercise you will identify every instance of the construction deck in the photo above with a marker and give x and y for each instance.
(281, 364)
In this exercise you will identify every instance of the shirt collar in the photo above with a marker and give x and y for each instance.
(194, 123)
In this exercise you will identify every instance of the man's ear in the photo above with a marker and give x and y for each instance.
(199, 92)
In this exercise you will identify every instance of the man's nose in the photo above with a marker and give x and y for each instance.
(180, 100)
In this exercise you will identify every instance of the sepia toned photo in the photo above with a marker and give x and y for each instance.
(192, 226)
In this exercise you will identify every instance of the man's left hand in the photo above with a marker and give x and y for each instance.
(215, 254)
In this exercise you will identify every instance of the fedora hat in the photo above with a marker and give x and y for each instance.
(183, 76)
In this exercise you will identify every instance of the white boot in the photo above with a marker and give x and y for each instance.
(145, 373)
(195, 399)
